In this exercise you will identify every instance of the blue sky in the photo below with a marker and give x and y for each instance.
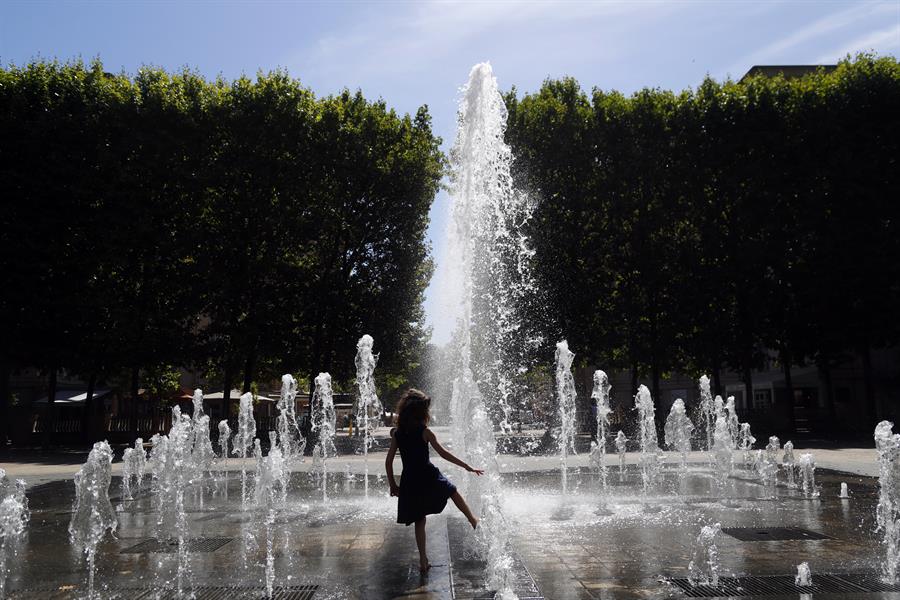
(413, 53)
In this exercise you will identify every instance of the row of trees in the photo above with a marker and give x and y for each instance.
(244, 228)
(707, 229)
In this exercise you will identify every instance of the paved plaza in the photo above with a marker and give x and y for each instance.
(348, 546)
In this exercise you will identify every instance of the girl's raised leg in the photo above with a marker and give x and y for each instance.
(464, 509)
(420, 542)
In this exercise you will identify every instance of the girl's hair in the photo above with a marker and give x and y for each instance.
(412, 410)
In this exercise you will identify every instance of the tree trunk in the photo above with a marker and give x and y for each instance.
(869, 380)
(87, 411)
(634, 379)
(789, 388)
(50, 413)
(717, 377)
(249, 367)
(825, 369)
(135, 388)
(5, 402)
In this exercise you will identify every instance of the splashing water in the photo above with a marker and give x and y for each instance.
(807, 466)
(243, 439)
(723, 451)
(651, 456)
(600, 394)
(707, 412)
(92, 512)
(788, 461)
(734, 426)
(290, 438)
(621, 449)
(565, 396)
(887, 513)
(678, 430)
(368, 409)
(324, 423)
(14, 516)
(704, 566)
(804, 575)
(746, 444)
(488, 281)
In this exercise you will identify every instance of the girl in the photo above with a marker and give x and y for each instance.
(423, 490)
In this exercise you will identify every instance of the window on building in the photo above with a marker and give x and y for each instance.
(762, 399)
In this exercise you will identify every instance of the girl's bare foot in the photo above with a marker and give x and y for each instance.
(424, 566)
(473, 522)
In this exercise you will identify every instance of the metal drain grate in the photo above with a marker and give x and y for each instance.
(210, 544)
(778, 585)
(294, 592)
(770, 534)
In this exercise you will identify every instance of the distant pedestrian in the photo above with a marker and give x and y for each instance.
(423, 489)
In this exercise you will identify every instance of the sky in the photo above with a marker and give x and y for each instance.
(415, 53)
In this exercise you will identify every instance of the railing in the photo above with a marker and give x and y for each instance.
(61, 426)
(123, 425)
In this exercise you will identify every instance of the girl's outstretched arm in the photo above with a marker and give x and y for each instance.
(389, 466)
(446, 454)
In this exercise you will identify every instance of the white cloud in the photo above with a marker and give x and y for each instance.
(878, 41)
(786, 46)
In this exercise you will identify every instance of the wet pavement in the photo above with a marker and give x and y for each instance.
(350, 547)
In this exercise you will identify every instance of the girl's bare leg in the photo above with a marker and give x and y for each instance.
(464, 509)
(420, 542)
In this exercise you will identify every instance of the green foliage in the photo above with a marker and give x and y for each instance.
(700, 230)
(244, 227)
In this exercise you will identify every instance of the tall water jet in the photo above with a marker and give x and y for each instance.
(224, 443)
(678, 430)
(887, 513)
(767, 470)
(704, 566)
(92, 512)
(734, 426)
(807, 466)
(243, 439)
(651, 455)
(565, 396)
(772, 450)
(290, 438)
(14, 515)
(621, 449)
(746, 444)
(323, 423)
(804, 575)
(788, 461)
(269, 490)
(600, 394)
(487, 282)
(723, 451)
(368, 409)
(707, 411)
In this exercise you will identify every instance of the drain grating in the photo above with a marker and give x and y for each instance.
(777, 585)
(773, 534)
(294, 592)
(208, 544)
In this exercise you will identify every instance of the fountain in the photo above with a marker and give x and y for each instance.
(678, 430)
(807, 466)
(621, 449)
(804, 575)
(651, 456)
(704, 566)
(368, 408)
(707, 411)
(887, 513)
(600, 394)
(92, 512)
(323, 424)
(490, 278)
(788, 462)
(14, 515)
(269, 491)
(746, 444)
(734, 426)
(767, 470)
(723, 452)
(290, 438)
(845, 492)
(565, 396)
(243, 439)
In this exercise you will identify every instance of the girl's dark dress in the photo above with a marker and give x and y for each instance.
(423, 488)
